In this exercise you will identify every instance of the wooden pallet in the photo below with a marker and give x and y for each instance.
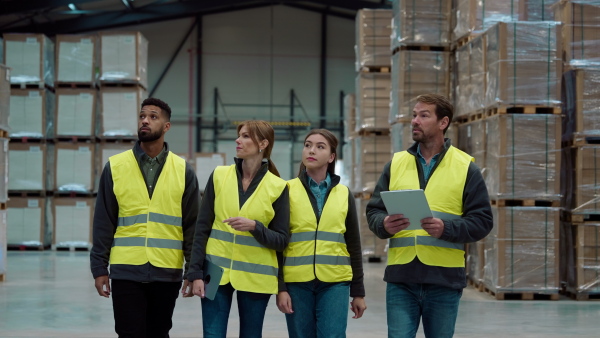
(120, 84)
(584, 140)
(20, 247)
(71, 248)
(2, 277)
(74, 139)
(27, 193)
(524, 203)
(528, 295)
(522, 109)
(582, 295)
(29, 85)
(75, 85)
(375, 69)
(425, 48)
(374, 132)
(471, 117)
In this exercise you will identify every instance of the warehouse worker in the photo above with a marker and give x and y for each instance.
(243, 220)
(425, 271)
(143, 228)
(322, 266)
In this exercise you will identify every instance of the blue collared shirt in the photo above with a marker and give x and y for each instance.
(426, 167)
(319, 190)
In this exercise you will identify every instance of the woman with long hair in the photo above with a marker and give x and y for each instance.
(243, 221)
(322, 266)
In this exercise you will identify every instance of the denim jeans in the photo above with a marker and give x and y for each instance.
(251, 307)
(407, 303)
(320, 309)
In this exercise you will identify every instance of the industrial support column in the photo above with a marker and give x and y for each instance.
(199, 34)
(323, 89)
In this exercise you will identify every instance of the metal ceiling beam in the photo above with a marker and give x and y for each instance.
(330, 11)
(20, 6)
(350, 4)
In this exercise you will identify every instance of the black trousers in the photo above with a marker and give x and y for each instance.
(143, 309)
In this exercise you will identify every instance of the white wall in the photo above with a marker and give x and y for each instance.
(253, 56)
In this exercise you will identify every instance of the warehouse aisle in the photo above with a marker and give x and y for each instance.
(51, 294)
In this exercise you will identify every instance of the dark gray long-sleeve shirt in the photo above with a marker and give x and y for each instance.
(106, 217)
(475, 223)
(275, 237)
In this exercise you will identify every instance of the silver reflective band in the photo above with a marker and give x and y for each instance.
(165, 243)
(331, 237)
(401, 242)
(318, 259)
(221, 235)
(165, 219)
(131, 220)
(432, 241)
(243, 266)
(129, 241)
(247, 240)
(302, 236)
(444, 215)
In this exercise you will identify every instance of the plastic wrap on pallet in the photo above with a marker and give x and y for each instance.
(415, 73)
(579, 179)
(75, 112)
(471, 139)
(401, 136)
(123, 58)
(424, 22)
(349, 114)
(373, 30)
(27, 222)
(473, 16)
(32, 113)
(470, 77)
(3, 244)
(27, 169)
(475, 261)
(74, 167)
(372, 153)
(118, 111)
(30, 57)
(522, 158)
(348, 163)
(73, 221)
(582, 264)
(76, 58)
(372, 100)
(4, 96)
(581, 104)
(523, 63)
(3, 170)
(522, 251)
(580, 31)
(371, 245)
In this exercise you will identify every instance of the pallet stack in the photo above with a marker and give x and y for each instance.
(370, 141)
(507, 98)
(32, 104)
(580, 237)
(4, 113)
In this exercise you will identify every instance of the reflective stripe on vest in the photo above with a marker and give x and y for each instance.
(444, 193)
(248, 265)
(317, 250)
(148, 230)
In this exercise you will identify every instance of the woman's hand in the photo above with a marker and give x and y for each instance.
(284, 302)
(241, 223)
(358, 306)
(198, 288)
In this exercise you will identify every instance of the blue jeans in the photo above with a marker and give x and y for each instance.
(251, 307)
(407, 303)
(320, 309)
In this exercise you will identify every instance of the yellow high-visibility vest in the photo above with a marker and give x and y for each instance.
(248, 265)
(149, 229)
(444, 194)
(317, 250)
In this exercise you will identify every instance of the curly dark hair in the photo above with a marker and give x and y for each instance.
(152, 101)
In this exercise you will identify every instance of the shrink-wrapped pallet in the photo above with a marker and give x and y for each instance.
(123, 58)
(32, 113)
(580, 31)
(27, 222)
(373, 29)
(4, 96)
(75, 112)
(424, 22)
(581, 104)
(372, 101)
(372, 153)
(73, 217)
(31, 59)
(75, 59)
(74, 167)
(119, 107)
(470, 77)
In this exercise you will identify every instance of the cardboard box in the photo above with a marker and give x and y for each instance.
(522, 157)
(581, 104)
(73, 219)
(373, 29)
(372, 153)
(471, 139)
(580, 31)
(3, 245)
(401, 137)
(30, 57)
(4, 96)
(415, 73)
(75, 58)
(372, 101)
(119, 108)
(123, 58)
(3, 170)
(74, 167)
(372, 246)
(27, 169)
(26, 222)
(75, 112)
(580, 177)
(470, 77)
(581, 248)
(424, 22)
(205, 164)
(31, 113)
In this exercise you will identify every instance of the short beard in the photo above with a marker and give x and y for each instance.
(149, 136)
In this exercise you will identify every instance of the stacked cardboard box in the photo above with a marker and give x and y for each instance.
(31, 59)
(373, 29)
(424, 22)
(580, 31)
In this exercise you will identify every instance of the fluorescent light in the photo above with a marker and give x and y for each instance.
(72, 7)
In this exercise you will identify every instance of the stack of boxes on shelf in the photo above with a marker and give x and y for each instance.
(580, 229)
(369, 142)
(4, 112)
(70, 100)
(507, 97)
